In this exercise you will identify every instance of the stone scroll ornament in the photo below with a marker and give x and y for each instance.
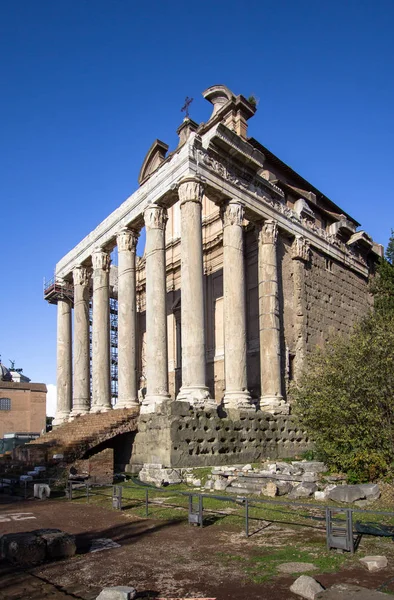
(126, 240)
(101, 260)
(300, 249)
(155, 217)
(81, 276)
(191, 190)
(233, 213)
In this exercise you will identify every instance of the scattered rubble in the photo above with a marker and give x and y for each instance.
(346, 591)
(296, 479)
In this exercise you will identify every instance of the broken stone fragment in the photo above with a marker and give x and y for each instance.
(351, 493)
(284, 487)
(347, 591)
(119, 592)
(303, 490)
(374, 563)
(312, 465)
(269, 489)
(306, 587)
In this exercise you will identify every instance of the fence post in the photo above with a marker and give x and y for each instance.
(87, 492)
(146, 501)
(247, 517)
(200, 510)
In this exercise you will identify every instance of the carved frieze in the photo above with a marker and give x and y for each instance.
(81, 275)
(233, 213)
(126, 240)
(190, 190)
(155, 217)
(300, 249)
(101, 260)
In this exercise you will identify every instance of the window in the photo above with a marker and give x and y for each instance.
(5, 403)
(329, 265)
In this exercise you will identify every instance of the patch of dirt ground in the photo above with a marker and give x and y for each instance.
(173, 559)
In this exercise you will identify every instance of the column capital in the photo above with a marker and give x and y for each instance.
(101, 259)
(81, 275)
(126, 239)
(232, 213)
(155, 217)
(190, 189)
(268, 232)
(300, 249)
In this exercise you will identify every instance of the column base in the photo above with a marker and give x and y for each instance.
(151, 403)
(274, 405)
(60, 418)
(132, 403)
(240, 400)
(100, 409)
(196, 396)
(78, 412)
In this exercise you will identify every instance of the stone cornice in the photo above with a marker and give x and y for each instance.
(261, 205)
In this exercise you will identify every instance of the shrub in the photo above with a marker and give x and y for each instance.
(345, 400)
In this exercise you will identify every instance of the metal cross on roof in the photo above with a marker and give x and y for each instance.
(185, 107)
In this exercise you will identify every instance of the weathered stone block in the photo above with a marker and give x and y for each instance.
(374, 563)
(303, 490)
(59, 545)
(119, 592)
(306, 587)
(25, 549)
(346, 493)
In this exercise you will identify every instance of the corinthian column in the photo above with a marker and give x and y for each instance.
(300, 256)
(194, 388)
(127, 338)
(101, 383)
(81, 395)
(270, 361)
(64, 358)
(236, 394)
(156, 309)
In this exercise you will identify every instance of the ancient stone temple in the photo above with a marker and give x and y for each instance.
(247, 268)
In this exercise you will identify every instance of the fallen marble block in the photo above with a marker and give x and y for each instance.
(374, 563)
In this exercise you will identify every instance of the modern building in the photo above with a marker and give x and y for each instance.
(22, 403)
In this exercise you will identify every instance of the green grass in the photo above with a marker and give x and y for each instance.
(264, 566)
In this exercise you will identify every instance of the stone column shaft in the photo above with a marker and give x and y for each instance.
(64, 362)
(300, 256)
(127, 322)
(236, 393)
(270, 360)
(156, 309)
(194, 388)
(81, 392)
(101, 381)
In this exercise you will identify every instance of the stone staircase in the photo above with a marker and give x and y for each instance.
(77, 437)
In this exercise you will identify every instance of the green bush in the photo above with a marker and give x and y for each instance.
(346, 400)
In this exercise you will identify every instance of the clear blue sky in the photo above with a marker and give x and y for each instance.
(87, 85)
